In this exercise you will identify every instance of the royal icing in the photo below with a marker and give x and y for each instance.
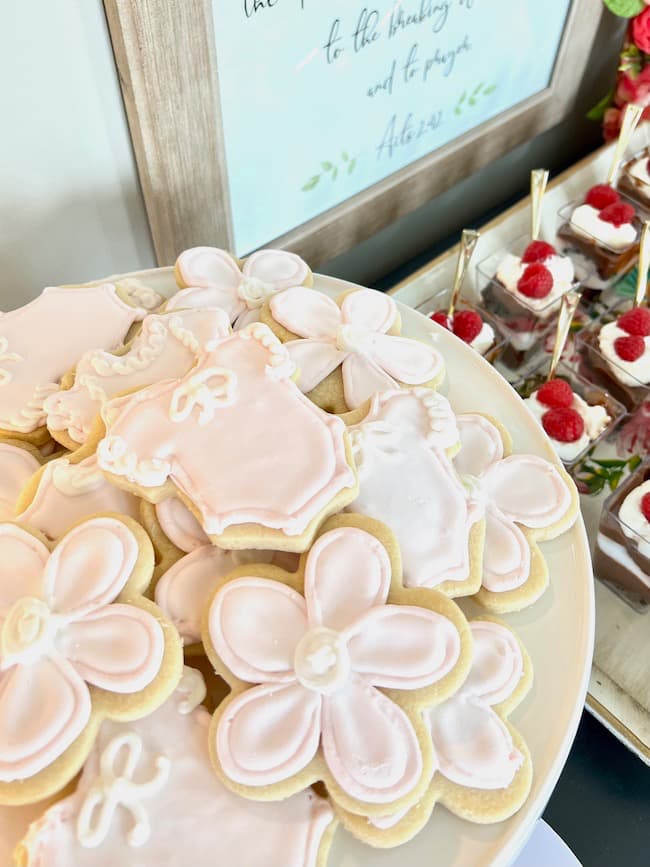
(473, 745)
(407, 481)
(215, 279)
(44, 339)
(180, 525)
(60, 629)
(68, 492)
(517, 490)
(166, 348)
(153, 776)
(315, 663)
(236, 437)
(353, 337)
(16, 467)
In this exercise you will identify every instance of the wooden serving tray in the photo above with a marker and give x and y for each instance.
(619, 688)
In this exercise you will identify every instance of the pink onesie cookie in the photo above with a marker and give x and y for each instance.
(148, 796)
(527, 499)
(482, 767)
(41, 341)
(166, 347)
(78, 643)
(213, 278)
(257, 462)
(407, 480)
(329, 670)
(65, 492)
(348, 350)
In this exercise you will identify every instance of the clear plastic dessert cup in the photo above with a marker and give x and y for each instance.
(489, 343)
(601, 413)
(634, 179)
(599, 362)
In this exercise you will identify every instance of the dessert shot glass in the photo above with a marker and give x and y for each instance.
(598, 412)
(488, 342)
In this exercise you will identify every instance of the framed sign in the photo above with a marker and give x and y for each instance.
(312, 124)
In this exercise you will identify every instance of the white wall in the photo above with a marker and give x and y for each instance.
(70, 204)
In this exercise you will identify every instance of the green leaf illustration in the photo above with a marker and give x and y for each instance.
(327, 166)
(352, 164)
(488, 90)
(462, 99)
(335, 173)
(345, 156)
(311, 183)
(625, 8)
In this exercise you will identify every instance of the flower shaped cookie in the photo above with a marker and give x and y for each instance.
(483, 770)
(17, 466)
(309, 670)
(527, 499)
(213, 278)
(353, 336)
(69, 652)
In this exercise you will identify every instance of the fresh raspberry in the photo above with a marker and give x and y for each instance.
(629, 348)
(536, 281)
(537, 251)
(636, 321)
(645, 506)
(617, 214)
(601, 195)
(441, 318)
(555, 393)
(467, 325)
(563, 424)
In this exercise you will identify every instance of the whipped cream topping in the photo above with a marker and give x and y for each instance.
(639, 171)
(484, 340)
(511, 269)
(633, 522)
(594, 416)
(634, 373)
(616, 552)
(585, 221)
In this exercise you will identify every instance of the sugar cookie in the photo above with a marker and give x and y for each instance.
(18, 463)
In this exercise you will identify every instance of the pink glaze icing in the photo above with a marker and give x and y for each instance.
(354, 337)
(520, 489)
(316, 663)
(60, 629)
(236, 436)
(180, 525)
(407, 481)
(473, 745)
(16, 467)
(187, 817)
(215, 279)
(67, 493)
(166, 348)
(44, 339)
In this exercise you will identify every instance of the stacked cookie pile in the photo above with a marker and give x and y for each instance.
(230, 556)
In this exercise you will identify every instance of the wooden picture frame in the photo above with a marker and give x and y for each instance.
(167, 65)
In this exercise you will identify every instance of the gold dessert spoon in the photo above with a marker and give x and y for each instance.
(568, 306)
(538, 182)
(468, 241)
(631, 117)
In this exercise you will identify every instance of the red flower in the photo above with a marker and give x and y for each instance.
(641, 31)
(612, 124)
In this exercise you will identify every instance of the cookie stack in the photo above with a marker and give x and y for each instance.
(237, 524)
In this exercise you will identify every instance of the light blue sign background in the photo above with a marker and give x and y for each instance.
(302, 135)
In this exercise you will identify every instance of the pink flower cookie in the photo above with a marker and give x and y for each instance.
(166, 347)
(329, 669)
(78, 643)
(148, 795)
(346, 351)
(210, 277)
(17, 466)
(257, 462)
(66, 491)
(482, 767)
(407, 480)
(527, 499)
(41, 341)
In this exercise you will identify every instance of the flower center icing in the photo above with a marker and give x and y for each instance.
(255, 292)
(352, 338)
(321, 660)
(27, 628)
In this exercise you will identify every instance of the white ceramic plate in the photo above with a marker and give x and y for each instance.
(558, 632)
